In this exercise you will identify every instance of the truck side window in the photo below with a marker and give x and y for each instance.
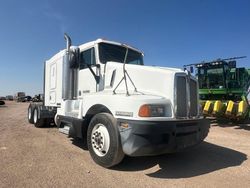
(87, 58)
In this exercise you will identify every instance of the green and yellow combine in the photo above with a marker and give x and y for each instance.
(223, 88)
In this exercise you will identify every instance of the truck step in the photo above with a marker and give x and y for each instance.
(64, 130)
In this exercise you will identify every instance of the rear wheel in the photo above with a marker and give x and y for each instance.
(31, 114)
(104, 141)
(38, 120)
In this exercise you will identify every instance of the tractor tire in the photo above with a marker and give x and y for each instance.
(31, 114)
(37, 119)
(104, 142)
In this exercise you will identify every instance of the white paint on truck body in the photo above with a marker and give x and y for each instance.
(53, 80)
(155, 85)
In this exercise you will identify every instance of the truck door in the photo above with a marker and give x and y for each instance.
(87, 82)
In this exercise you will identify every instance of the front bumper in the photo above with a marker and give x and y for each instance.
(141, 138)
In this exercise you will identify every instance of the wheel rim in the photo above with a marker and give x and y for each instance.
(29, 113)
(56, 119)
(35, 115)
(100, 140)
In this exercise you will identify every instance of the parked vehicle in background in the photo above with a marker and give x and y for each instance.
(10, 97)
(2, 98)
(37, 98)
(19, 97)
(223, 89)
(27, 98)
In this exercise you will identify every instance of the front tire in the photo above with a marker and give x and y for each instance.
(38, 120)
(104, 141)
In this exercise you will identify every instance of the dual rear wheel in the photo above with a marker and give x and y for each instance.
(34, 116)
(31, 114)
(103, 138)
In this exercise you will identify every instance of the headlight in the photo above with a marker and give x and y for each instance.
(151, 110)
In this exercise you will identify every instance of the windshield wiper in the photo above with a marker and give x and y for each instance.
(125, 73)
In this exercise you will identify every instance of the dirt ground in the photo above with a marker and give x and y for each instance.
(43, 157)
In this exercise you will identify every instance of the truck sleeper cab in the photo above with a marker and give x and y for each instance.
(102, 93)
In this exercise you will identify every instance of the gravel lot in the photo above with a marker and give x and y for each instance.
(33, 157)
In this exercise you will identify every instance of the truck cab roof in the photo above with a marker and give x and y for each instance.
(97, 41)
(90, 44)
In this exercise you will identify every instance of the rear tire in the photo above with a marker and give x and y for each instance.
(38, 121)
(104, 142)
(31, 114)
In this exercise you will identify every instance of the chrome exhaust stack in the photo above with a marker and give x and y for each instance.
(68, 42)
(67, 82)
(70, 71)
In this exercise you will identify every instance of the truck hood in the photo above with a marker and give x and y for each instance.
(150, 80)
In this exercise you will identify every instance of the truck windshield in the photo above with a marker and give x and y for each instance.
(110, 52)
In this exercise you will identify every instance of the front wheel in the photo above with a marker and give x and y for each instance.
(104, 141)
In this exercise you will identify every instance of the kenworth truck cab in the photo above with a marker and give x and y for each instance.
(102, 92)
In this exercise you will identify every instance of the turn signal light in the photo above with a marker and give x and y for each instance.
(144, 111)
(147, 110)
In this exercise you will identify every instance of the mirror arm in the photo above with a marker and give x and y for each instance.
(97, 78)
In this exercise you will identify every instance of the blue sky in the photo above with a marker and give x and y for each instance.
(170, 33)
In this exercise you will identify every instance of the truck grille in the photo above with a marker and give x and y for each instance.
(186, 98)
(193, 98)
(181, 97)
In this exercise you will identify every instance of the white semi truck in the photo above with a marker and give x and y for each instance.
(101, 92)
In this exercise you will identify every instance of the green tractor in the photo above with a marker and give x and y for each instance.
(223, 88)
